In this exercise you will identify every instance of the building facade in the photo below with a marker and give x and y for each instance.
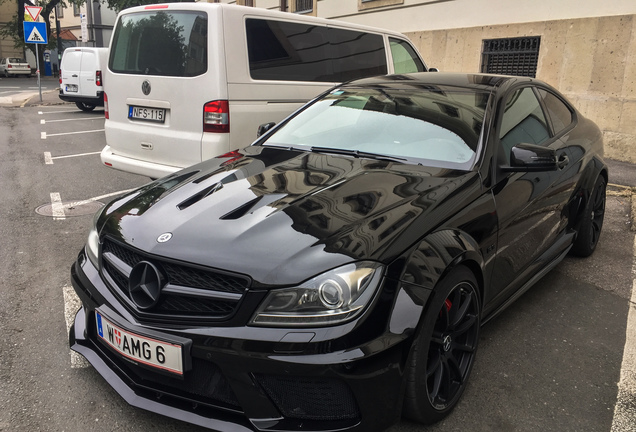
(584, 48)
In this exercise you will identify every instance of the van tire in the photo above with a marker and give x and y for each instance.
(85, 107)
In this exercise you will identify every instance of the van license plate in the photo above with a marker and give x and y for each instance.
(140, 349)
(71, 88)
(149, 114)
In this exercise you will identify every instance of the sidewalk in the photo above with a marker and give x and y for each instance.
(32, 97)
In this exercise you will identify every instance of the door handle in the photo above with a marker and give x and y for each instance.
(563, 161)
(74, 76)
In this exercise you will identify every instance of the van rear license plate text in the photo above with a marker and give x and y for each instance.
(140, 349)
(71, 88)
(149, 114)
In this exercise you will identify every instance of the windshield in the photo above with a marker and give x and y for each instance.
(437, 127)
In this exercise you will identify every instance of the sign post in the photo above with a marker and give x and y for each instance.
(35, 32)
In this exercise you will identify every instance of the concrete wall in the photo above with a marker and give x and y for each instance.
(591, 60)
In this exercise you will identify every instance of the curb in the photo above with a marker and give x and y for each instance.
(630, 193)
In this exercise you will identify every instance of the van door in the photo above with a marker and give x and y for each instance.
(88, 66)
(71, 65)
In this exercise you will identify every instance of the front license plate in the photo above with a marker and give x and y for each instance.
(71, 88)
(149, 114)
(141, 349)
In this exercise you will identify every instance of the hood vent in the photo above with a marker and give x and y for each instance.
(198, 197)
(242, 210)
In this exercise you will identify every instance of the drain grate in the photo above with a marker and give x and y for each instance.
(70, 208)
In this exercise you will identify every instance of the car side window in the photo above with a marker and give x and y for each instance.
(523, 121)
(405, 59)
(559, 112)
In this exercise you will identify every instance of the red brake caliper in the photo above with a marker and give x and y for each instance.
(447, 304)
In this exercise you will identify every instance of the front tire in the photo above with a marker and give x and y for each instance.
(84, 106)
(445, 349)
(592, 222)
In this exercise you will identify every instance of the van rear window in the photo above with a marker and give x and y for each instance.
(286, 51)
(161, 43)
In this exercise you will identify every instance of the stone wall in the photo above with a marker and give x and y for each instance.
(591, 60)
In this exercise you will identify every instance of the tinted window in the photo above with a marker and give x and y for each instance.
(558, 111)
(405, 59)
(288, 51)
(523, 121)
(405, 123)
(161, 43)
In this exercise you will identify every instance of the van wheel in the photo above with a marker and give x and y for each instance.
(84, 106)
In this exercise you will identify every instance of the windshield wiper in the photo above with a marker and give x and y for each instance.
(357, 153)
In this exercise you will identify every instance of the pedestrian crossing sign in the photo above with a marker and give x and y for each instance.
(35, 32)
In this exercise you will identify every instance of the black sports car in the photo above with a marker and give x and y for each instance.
(334, 275)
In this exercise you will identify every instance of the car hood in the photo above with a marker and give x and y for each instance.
(281, 216)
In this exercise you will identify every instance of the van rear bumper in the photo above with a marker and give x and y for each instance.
(135, 166)
(97, 101)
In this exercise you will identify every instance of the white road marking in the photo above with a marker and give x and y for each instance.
(97, 198)
(625, 409)
(73, 119)
(57, 112)
(42, 121)
(72, 133)
(48, 159)
(42, 135)
(56, 206)
(72, 303)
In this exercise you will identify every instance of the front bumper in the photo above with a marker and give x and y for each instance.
(347, 377)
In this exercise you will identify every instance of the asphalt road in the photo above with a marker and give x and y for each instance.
(550, 362)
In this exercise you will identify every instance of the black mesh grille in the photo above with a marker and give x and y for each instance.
(511, 56)
(308, 398)
(176, 304)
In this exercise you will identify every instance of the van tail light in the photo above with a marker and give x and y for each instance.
(60, 76)
(216, 116)
(9, 66)
(98, 78)
(106, 106)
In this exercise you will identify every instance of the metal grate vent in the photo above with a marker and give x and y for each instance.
(511, 56)
(303, 6)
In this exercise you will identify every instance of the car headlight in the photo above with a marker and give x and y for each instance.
(92, 244)
(330, 298)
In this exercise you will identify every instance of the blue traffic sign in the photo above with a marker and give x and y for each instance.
(34, 32)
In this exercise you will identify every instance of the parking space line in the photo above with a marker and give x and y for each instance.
(57, 112)
(48, 159)
(44, 135)
(97, 198)
(56, 206)
(625, 409)
(42, 121)
(72, 304)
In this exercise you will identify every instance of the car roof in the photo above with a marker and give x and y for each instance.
(485, 82)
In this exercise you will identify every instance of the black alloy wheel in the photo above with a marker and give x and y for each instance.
(592, 221)
(84, 106)
(445, 349)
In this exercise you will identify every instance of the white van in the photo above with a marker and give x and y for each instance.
(189, 81)
(81, 77)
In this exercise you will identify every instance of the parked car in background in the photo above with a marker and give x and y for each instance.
(334, 275)
(14, 67)
(189, 81)
(81, 77)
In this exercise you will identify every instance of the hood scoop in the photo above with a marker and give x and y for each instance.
(198, 197)
(273, 200)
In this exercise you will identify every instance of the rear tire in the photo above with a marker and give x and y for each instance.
(445, 349)
(592, 222)
(85, 107)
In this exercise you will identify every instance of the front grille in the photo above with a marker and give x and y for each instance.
(309, 398)
(194, 293)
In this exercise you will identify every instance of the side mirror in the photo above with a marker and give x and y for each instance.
(433, 70)
(264, 128)
(531, 157)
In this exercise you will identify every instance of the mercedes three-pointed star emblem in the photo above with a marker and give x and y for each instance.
(145, 284)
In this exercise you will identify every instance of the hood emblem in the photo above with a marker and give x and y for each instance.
(145, 284)
(145, 87)
(164, 237)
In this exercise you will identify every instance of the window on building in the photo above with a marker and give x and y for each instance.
(511, 56)
(76, 10)
(304, 6)
(60, 11)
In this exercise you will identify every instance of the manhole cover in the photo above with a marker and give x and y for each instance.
(69, 208)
